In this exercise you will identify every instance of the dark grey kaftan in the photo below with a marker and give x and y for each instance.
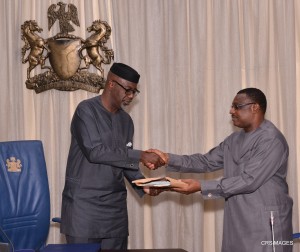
(254, 184)
(100, 156)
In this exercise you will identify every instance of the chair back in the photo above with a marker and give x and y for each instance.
(24, 194)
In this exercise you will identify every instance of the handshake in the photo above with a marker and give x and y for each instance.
(154, 158)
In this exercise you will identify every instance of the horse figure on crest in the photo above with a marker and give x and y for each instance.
(91, 44)
(35, 44)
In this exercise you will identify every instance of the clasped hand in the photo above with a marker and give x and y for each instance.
(154, 158)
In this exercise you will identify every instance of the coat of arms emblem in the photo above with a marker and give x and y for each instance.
(13, 164)
(65, 58)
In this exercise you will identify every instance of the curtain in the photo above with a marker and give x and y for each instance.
(193, 57)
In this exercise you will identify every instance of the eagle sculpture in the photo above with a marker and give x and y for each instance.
(63, 17)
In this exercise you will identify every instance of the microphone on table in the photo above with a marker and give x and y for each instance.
(272, 228)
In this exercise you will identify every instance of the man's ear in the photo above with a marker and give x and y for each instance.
(111, 83)
(256, 108)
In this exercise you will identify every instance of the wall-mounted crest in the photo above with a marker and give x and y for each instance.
(66, 58)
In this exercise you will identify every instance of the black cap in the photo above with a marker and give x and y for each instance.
(125, 72)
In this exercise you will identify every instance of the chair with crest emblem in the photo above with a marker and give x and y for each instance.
(24, 199)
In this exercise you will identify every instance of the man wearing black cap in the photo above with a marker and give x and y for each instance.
(94, 208)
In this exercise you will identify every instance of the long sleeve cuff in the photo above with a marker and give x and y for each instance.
(210, 189)
(174, 160)
(133, 160)
(134, 155)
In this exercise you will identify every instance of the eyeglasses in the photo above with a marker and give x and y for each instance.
(239, 106)
(128, 91)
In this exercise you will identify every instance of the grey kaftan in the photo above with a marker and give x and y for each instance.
(101, 155)
(254, 184)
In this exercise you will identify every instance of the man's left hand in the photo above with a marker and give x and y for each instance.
(152, 191)
(189, 186)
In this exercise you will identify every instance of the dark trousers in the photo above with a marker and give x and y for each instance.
(106, 243)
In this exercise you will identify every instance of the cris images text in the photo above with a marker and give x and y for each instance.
(65, 58)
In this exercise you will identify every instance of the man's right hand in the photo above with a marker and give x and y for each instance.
(164, 156)
(151, 160)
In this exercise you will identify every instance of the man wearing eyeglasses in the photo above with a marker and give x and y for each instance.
(94, 208)
(258, 209)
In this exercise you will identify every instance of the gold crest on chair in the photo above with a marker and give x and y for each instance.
(13, 164)
(65, 58)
